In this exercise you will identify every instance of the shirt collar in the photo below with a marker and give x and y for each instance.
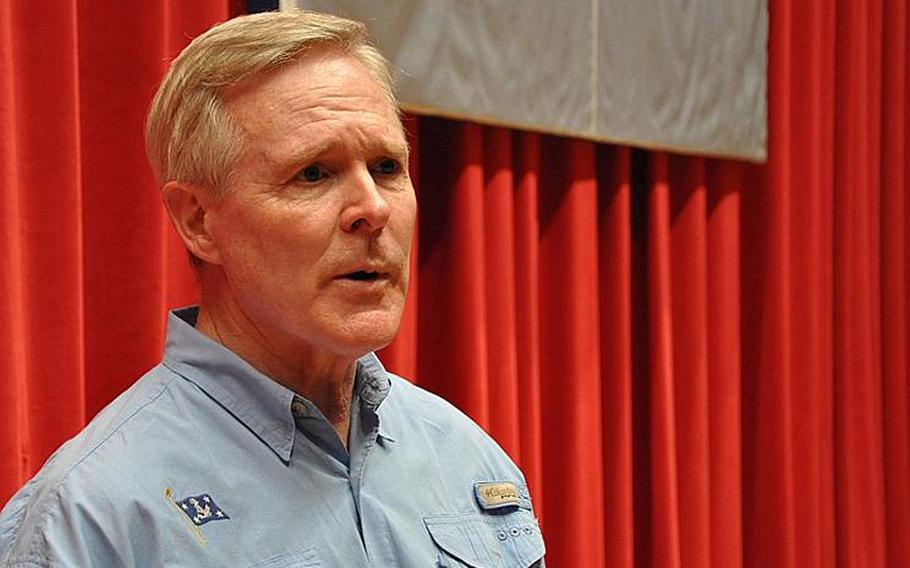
(260, 403)
(371, 387)
(254, 399)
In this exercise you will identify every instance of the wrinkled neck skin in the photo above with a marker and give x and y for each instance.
(327, 380)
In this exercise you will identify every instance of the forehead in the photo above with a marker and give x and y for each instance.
(325, 88)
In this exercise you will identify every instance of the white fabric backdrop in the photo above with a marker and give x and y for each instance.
(684, 76)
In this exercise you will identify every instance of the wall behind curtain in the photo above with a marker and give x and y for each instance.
(698, 363)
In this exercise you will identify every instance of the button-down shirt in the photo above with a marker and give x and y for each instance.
(207, 462)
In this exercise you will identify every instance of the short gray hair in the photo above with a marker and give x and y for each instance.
(189, 135)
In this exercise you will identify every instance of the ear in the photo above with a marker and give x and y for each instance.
(190, 210)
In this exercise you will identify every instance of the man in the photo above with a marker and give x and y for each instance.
(270, 435)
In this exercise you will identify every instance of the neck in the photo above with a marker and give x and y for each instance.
(324, 379)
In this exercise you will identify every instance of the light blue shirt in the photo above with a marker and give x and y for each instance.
(207, 462)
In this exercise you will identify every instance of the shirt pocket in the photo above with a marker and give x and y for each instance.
(307, 558)
(508, 540)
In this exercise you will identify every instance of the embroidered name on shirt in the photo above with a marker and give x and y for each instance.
(492, 495)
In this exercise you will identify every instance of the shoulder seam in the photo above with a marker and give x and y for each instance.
(164, 386)
(430, 398)
(54, 491)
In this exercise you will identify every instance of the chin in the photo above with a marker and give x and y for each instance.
(359, 335)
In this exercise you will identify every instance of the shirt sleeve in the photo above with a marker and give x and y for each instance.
(59, 530)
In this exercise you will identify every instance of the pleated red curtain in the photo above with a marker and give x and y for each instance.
(88, 264)
(697, 362)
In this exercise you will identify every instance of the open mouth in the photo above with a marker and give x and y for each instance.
(362, 276)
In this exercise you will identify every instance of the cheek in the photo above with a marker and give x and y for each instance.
(243, 245)
(251, 250)
(404, 218)
(268, 236)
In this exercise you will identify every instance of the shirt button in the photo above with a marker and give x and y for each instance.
(502, 535)
(526, 529)
(515, 531)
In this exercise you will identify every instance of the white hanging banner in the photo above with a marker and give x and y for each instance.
(687, 77)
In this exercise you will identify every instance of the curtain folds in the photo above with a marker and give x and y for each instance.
(698, 363)
(88, 262)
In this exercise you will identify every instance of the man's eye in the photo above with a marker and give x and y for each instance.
(386, 167)
(311, 174)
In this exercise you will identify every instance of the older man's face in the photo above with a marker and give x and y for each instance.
(315, 231)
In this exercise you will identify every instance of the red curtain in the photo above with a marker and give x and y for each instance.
(697, 362)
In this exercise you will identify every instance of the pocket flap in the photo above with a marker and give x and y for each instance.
(519, 538)
(466, 538)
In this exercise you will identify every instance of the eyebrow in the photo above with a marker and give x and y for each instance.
(312, 153)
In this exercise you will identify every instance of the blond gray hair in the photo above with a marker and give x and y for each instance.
(190, 136)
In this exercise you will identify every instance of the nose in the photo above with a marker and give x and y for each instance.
(366, 207)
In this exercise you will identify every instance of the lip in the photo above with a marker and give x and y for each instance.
(364, 274)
